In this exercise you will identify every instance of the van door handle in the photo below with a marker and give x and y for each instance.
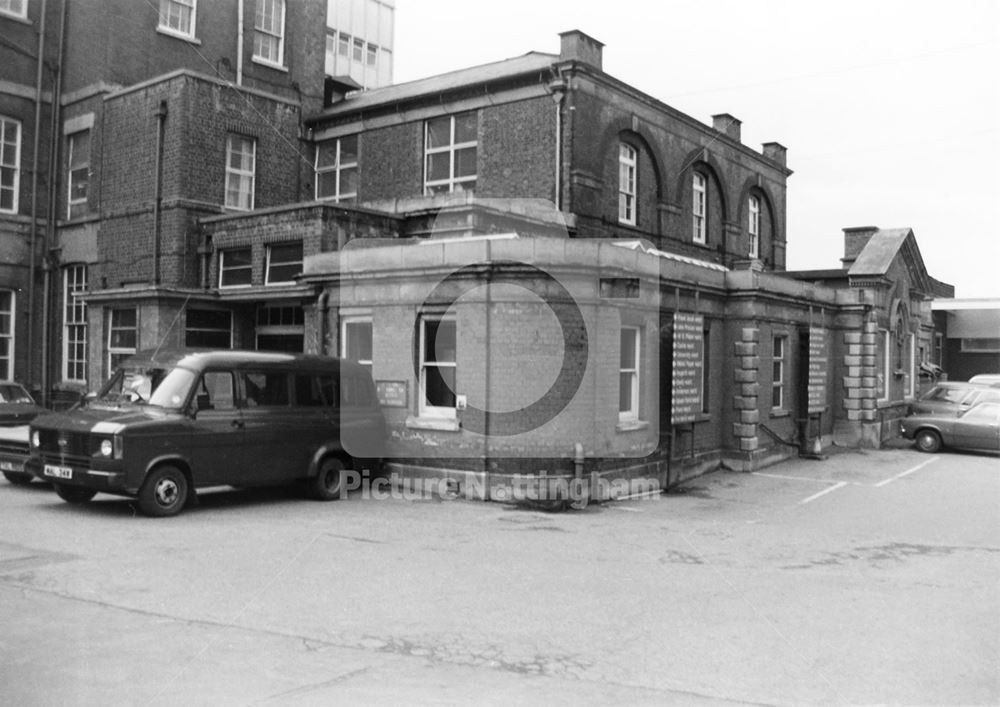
(237, 423)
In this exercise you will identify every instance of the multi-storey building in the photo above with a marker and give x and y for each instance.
(214, 192)
(359, 42)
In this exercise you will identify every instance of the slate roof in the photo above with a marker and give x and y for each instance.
(877, 255)
(396, 93)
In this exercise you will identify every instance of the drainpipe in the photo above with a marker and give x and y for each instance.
(33, 236)
(558, 88)
(239, 43)
(55, 140)
(487, 377)
(161, 118)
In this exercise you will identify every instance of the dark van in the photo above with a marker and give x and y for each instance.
(168, 423)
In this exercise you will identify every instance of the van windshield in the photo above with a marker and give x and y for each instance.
(130, 384)
(174, 388)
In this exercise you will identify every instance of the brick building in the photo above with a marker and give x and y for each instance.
(217, 193)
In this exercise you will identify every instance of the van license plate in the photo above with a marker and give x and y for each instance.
(59, 472)
(10, 466)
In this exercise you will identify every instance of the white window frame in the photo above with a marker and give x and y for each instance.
(71, 170)
(629, 371)
(267, 263)
(344, 45)
(235, 176)
(424, 409)
(627, 173)
(358, 50)
(977, 345)
(346, 325)
(339, 167)
(167, 16)
(452, 182)
(7, 8)
(120, 351)
(699, 194)
(886, 365)
(74, 370)
(10, 162)
(779, 369)
(266, 32)
(223, 269)
(753, 225)
(8, 334)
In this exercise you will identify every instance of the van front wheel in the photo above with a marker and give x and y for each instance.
(329, 480)
(164, 492)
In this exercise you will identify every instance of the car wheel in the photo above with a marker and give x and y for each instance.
(17, 478)
(928, 441)
(74, 494)
(164, 492)
(329, 480)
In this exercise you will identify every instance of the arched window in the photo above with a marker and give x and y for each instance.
(627, 170)
(699, 209)
(753, 225)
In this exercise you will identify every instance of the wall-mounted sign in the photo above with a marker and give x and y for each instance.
(818, 366)
(391, 394)
(688, 369)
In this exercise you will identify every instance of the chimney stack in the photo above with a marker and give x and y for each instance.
(577, 46)
(776, 152)
(727, 125)
(855, 240)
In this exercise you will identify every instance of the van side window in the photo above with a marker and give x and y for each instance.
(330, 390)
(308, 391)
(265, 389)
(215, 391)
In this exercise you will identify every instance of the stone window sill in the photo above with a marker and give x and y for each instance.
(439, 424)
(631, 425)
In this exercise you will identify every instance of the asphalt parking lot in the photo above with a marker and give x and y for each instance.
(867, 578)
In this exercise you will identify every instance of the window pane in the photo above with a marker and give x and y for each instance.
(439, 341)
(465, 127)
(438, 132)
(440, 386)
(438, 166)
(349, 182)
(326, 154)
(349, 149)
(627, 348)
(465, 162)
(326, 185)
(358, 341)
(237, 257)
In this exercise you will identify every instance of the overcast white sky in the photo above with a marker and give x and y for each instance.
(888, 108)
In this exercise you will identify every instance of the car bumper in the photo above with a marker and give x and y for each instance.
(100, 479)
(12, 463)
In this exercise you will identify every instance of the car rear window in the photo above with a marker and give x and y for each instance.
(950, 395)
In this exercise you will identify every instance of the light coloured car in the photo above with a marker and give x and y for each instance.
(953, 397)
(986, 379)
(977, 428)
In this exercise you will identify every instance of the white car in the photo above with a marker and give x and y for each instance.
(986, 379)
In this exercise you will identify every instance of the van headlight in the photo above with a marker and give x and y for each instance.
(36, 439)
(107, 448)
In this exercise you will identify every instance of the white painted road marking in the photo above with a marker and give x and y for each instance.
(803, 478)
(838, 485)
(907, 472)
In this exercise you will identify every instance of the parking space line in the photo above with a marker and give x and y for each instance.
(800, 478)
(838, 485)
(900, 475)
